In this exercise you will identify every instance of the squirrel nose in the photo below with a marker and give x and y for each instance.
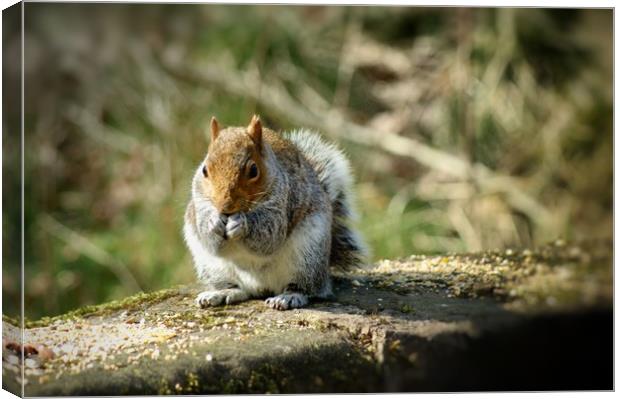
(228, 208)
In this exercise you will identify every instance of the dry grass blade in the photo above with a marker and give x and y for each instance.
(336, 124)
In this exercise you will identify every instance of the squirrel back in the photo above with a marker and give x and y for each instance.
(334, 174)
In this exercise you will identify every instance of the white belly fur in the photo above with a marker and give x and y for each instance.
(255, 273)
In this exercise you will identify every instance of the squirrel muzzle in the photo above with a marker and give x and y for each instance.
(228, 204)
(229, 209)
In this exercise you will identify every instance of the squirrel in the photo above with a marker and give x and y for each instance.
(269, 214)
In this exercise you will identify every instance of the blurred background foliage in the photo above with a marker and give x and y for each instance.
(468, 129)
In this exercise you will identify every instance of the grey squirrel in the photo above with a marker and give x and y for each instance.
(268, 215)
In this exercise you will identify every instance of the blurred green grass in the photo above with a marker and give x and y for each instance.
(113, 136)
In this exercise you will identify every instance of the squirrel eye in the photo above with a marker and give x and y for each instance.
(205, 173)
(253, 171)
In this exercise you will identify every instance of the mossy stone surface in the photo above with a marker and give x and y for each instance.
(529, 319)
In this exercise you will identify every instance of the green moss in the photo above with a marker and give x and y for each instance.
(232, 386)
(202, 318)
(406, 308)
(11, 320)
(128, 303)
(262, 381)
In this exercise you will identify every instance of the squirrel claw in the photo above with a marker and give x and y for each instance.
(291, 300)
(236, 226)
(220, 297)
(218, 225)
(209, 298)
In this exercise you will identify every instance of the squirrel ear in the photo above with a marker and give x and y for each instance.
(215, 129)
(255, 130)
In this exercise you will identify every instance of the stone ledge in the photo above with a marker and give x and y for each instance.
(515, 320)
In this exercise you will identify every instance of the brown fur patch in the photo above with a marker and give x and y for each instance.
(228, 184)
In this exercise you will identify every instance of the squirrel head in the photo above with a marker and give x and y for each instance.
(234, 172)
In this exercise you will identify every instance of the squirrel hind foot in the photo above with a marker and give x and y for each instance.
(290, 300)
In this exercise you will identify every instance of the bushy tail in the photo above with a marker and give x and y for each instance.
(334, 172)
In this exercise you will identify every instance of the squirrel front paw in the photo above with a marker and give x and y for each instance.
(236, 226)
(217, 225)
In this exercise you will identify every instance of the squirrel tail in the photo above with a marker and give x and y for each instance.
(334, 172)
